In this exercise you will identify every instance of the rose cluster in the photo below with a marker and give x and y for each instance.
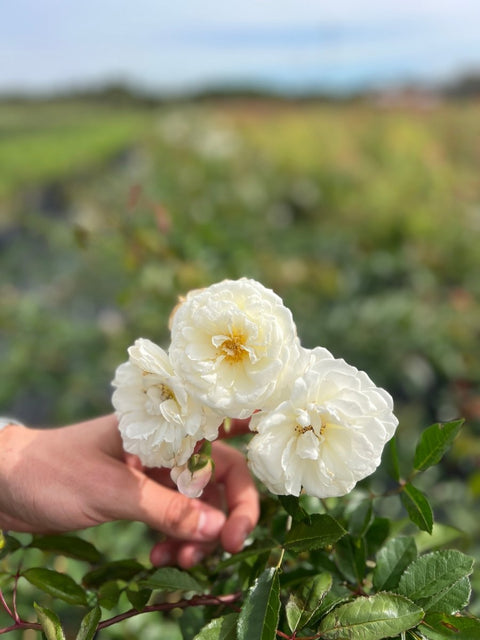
(319, 423)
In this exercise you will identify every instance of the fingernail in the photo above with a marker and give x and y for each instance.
(197, 557)
(210, 523)
(242, 536)
(160, 557)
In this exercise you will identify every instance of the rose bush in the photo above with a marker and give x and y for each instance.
(322, 569)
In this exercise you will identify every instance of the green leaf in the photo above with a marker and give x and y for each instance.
(50, 622)
(451, 600)
(5, 578)
(350, 556)
(392, 560)
(293, 611)
(9, 544)
(224, 628)
(303, 605)
(244, 555)
(192, 620)
(322, 531)
(257, 567)
(138, 598)
(88, 626)
(118, 570)
(430, 574)
(58, 585)
(371, 618)
(108, 594)
(333, 599)
(418, 508)
(258, 618)
(292, 506)
(434, 442)
(70, 546)
(171, 579)
(376, 535)
(440, 626)
(360, 518)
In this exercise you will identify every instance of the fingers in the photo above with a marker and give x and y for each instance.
(137, 497)
(242, 505)
(193, 527)
(183, 554)
(241, 496)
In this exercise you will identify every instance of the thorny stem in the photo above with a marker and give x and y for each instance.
(21, 625)
(168, 606)
(13, 613)
(196, 601)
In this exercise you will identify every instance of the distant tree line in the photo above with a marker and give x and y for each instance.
(122, 94)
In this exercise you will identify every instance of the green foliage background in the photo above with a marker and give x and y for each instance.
(364, 219)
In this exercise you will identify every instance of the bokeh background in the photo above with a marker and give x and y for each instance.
(331, 152)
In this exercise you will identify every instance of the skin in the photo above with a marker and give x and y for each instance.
(70, 478)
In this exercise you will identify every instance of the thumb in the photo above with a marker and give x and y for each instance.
(166, 510)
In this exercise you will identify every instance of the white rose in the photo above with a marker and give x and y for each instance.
(159, 422)
(327, 435)
(234, 343)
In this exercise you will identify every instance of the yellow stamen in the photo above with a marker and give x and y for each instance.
(165, 392)
(301, 430)
(233, 349)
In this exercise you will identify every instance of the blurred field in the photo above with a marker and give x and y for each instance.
(365, 220)
(49, 142)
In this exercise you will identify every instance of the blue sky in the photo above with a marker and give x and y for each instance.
(187, 44)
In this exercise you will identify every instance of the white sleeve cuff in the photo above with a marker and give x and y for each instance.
(4, 422)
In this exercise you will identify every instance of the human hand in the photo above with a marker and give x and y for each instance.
(74, 477)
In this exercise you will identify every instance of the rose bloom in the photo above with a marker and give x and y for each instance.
(159, 422)
(327, 435)
(233, 343)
